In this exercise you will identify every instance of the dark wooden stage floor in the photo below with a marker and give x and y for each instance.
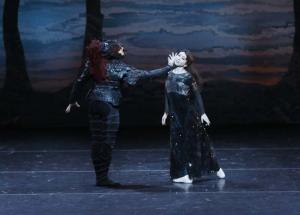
(49, 172)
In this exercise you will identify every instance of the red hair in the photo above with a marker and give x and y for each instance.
(97, 62)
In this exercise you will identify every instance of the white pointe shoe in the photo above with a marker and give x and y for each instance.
(185, 179)
(221, 173)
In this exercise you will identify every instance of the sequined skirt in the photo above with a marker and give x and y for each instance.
(191, 152)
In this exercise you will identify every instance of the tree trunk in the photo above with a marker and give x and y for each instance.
(293, 76)
(285, 96)
(93, 28)
(94, 22)
(297, 26)
(16, 80)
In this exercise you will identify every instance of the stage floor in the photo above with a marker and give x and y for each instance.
(50, 172)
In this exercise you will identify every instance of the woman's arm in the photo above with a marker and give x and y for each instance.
(199, 104)
(199, 101)
(166, 104)
(166, 113)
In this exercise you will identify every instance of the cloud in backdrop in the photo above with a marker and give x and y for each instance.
(244, 41)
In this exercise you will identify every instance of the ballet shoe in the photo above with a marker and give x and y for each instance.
(221, 173)
(185, 179)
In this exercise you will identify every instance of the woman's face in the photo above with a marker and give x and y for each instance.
(121, 51)
(181, 59)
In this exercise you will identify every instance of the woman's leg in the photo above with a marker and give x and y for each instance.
(104, 126)
(209, 154)
(204, 156)
(178, 157)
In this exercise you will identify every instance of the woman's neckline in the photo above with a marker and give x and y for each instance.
(179, 71)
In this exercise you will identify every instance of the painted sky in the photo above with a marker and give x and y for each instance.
(246, 41)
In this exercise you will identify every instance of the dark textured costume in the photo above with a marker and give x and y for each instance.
(191, 150)
(104, 100)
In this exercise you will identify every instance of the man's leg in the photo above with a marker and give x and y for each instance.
(104, 126)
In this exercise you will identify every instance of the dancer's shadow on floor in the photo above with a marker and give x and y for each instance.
(174, 187)
(144, 188)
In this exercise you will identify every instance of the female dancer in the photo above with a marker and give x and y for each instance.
(108, 72)
(192, 154)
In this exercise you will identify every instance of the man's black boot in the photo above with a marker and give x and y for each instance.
(101, 156)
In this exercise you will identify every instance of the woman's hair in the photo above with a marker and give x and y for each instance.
(191, 69)
(98, 53)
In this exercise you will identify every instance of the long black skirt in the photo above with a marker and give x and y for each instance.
(192, 152)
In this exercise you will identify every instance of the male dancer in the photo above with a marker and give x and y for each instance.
(105, 67)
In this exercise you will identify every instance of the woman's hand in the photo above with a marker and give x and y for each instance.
(68, 109)
(205, 120)
(164, 119)
(171, 59)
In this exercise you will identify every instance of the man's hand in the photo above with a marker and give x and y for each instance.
(164, 119)
(68, 109)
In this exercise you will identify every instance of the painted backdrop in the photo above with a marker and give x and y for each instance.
(243, 51)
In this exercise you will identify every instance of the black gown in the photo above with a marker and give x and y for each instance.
(191, 150)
